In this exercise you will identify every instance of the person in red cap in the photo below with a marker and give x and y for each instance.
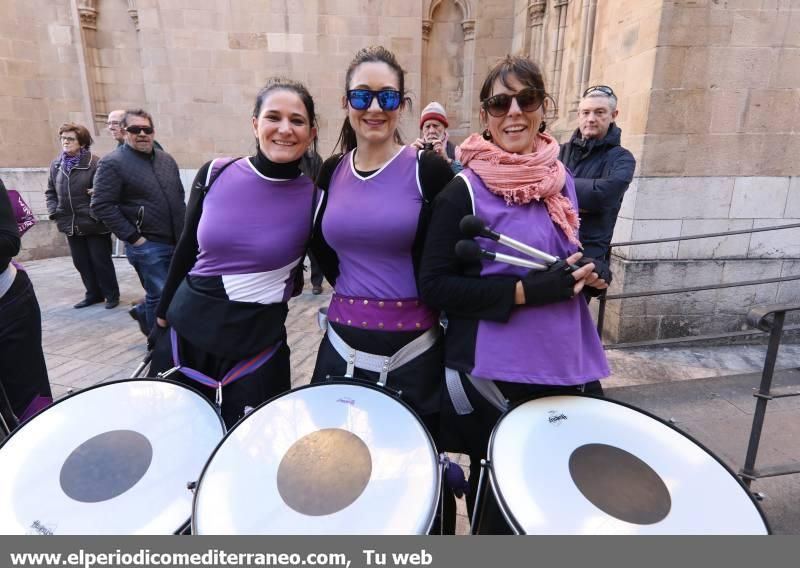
(433, 134)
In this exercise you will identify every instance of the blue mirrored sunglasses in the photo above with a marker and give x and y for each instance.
(361, 99)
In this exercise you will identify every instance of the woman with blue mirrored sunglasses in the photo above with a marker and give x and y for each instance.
(378, 194)
(361, 99)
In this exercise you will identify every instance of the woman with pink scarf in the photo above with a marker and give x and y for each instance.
(512, 332)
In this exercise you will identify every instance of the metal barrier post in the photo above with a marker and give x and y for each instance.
(763, 397)
(601, 314)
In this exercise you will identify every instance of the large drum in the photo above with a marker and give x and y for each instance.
(111, 459)
(331, 458)
(577, 464)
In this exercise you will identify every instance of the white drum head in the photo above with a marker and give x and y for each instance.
(112, 459)
(583, 465)
(333, 458)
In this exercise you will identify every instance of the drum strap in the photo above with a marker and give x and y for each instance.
(379, 363)
(241, 369)
(485, 387)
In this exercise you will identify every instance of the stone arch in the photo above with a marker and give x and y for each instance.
(448, 33)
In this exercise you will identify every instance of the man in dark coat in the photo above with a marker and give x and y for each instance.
(139, 196)
(603, 170)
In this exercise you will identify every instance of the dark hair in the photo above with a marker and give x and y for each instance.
(373, 54)
(284, 84)
(525, 70)
(81, 133)
(136, 112)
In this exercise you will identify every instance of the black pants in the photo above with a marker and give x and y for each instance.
(469, 434)
(91, 255)
(23, 373)
(269, 380)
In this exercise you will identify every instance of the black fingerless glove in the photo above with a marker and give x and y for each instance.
(600, 266)
(547, 286)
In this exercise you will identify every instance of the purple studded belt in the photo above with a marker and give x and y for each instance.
(407, 314)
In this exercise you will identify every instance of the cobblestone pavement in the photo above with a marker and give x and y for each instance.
(91, 345)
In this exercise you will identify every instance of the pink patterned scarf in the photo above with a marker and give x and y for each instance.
(521, 178)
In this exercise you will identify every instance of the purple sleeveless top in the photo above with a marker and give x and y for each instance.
(554, 344)
(253, 232)
(371, 224)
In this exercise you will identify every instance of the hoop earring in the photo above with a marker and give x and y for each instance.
(486, 134)
(542, 126)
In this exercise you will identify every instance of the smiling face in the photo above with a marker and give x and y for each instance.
(374, 125)
(516, 131)
(282, 127)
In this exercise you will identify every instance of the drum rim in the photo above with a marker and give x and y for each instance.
(105, 384)
(114, 382)
(506, 511)
(334, 381)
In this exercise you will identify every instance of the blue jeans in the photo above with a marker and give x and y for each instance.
(151, 262)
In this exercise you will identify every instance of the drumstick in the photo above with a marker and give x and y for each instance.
(472, 226)
(470, 250)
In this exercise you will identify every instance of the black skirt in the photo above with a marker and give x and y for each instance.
(23, 373)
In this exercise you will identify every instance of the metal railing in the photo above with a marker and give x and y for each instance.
(604, 298)
(759, 318)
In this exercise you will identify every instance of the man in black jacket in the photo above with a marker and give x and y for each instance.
(602, 169)
(139, 196)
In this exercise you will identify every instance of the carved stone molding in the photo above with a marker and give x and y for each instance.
(561, 3)
(133, 12)
(536, 9)
(87, 10)
(427, 26)
(468, 26)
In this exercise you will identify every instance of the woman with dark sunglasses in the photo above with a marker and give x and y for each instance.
(370, 239)
(512, 332)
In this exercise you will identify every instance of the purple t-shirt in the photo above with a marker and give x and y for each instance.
(555, 344)
(253, 232)
(371, 223)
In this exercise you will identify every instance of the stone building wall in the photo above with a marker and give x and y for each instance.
(716, 155)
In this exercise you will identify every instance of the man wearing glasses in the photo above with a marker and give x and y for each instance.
(139, 196)
(603, 170)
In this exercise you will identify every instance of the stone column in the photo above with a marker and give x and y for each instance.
(536, 10)
(468, 27)
(558, 46)
(133, 12)
(89, 63)
(588, 17)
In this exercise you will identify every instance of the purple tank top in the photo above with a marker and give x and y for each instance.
(253, 232)
(554, 344)
(371, 223)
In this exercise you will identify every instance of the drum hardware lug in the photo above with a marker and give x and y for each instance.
(672, 421)
(218, 398)
(168, 372)
(759, 496)
(191, 485)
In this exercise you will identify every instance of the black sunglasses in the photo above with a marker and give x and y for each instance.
(139, 129)
(528, 100)
(361, 99)
(605, 89)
